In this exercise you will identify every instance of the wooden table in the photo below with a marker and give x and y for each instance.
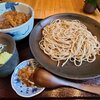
(44, 8)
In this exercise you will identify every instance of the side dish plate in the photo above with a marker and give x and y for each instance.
(20, 88)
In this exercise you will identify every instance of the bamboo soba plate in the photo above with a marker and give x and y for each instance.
(86, 70)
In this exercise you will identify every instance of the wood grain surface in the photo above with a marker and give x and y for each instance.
(45, 8)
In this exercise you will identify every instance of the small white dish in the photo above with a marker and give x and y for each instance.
(20, 88)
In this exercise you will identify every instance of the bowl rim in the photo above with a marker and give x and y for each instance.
(14, 47)
(19, 26)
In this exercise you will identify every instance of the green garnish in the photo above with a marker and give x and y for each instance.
(4, 57)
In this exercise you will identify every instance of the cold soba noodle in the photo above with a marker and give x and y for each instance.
(65, 40)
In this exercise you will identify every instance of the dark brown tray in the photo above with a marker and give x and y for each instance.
(62, 92)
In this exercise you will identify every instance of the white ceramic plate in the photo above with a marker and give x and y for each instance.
(19, 87)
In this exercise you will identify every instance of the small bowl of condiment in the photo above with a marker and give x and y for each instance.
(8, 55)
(16, 19)
(20, 79)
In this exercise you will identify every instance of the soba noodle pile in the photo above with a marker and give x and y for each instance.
(65, 40)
